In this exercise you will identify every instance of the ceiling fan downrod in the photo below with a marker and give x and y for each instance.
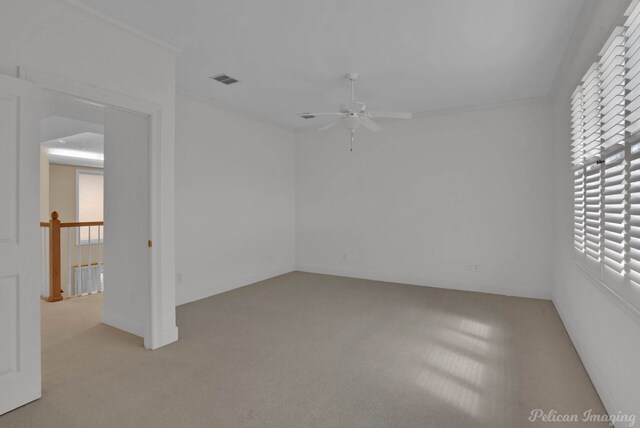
(353, 77)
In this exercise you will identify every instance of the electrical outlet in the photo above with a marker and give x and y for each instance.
(472, 267)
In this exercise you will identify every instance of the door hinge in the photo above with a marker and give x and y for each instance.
(150, 243)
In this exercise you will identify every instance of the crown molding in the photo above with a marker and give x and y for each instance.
(222, 106)
(103, 17)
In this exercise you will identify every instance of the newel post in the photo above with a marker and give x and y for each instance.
(55, 290)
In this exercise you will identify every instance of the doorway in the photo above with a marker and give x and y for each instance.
(72, 187)
(95, 211)
(149, 312)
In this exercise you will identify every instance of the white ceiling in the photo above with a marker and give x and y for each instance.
(84, 149)
(412, 55)
(55, 127)
(72, 131)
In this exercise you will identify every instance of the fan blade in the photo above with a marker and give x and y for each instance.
(371, 125)
(390, 115)
(320, 114)
(328, 125)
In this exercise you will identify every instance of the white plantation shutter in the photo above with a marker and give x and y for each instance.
(577, 129)
(632, 66)
(614, 211)
(612, 91)
(591, 147)
(605, 156)
(612, 110)
(591, 112)
(593, 212)
(578, 209)
(634, 214)
(577, 158)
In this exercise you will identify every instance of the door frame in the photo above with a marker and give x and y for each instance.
(153, 334)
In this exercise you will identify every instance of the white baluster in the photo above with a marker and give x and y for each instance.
(69, 291)
(100, 257)
(90, 255)
(90, 269)
(78, 268)
(46, 260)
(43, 264)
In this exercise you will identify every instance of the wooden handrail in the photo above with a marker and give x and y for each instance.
(82, 224)
(75, 224)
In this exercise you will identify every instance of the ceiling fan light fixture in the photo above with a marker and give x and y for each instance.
(352, 123)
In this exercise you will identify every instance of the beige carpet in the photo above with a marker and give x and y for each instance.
(305, 350)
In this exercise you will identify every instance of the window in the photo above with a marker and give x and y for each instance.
(90, 203)
(605, 154)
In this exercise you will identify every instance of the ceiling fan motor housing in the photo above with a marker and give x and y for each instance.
(352, 107)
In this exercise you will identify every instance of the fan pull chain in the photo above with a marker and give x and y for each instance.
(351, 146)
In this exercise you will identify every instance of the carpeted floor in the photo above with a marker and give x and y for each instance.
(306, 350)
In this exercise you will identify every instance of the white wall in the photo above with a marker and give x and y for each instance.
(234, 199)
(423, 199)
(45, 214)
(63, 39)
(605, 333)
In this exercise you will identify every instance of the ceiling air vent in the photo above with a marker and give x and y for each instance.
(223, 78)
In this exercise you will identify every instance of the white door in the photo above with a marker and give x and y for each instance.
(19, 243)
(126, 221)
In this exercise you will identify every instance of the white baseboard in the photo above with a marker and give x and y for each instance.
(186, 296)
(436, 283)
(122, 323)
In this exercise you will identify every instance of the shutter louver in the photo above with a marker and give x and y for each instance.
(591, 122)
(632, 67)
(612, 90)
(593, 212)
(578, 209)
(614, 211)
(613, 126)
(591, 112)
(577, 142)
(634, 214)
(577, 158)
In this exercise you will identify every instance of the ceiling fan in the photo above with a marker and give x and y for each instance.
(353, 114)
